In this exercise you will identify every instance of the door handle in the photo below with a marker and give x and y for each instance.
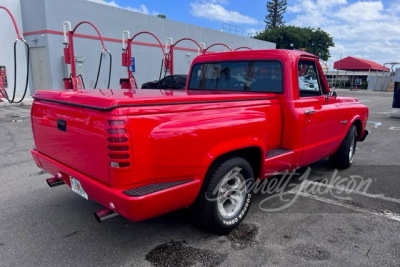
(310, 111)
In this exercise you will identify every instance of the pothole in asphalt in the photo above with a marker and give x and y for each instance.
(243, 236)
(287, 236)
(178, 254)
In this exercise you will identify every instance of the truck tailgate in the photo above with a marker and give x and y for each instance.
(72, 136)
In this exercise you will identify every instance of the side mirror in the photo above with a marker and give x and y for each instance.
(331, 95)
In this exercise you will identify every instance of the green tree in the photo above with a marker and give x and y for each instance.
(314, 41)
(162, 16)
(274, 18)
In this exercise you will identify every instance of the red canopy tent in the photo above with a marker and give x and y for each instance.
(358, 64)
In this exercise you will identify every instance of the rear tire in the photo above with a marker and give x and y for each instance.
(343, 157)
(225, 198)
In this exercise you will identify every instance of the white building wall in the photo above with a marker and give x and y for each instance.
(41, 23)
(7, 38)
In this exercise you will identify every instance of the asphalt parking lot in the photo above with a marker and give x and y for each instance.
(349, 218)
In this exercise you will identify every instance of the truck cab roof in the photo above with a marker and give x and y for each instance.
(253, 55)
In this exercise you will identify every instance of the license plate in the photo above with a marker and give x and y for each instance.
(77, 187)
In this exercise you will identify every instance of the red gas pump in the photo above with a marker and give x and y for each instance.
(3, 82)
(172, 49)
(3, 74)
(75, 81)
(130, 82)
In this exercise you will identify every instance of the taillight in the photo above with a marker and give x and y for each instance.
(116, 131)
(118, 148)
(116, 122)
(119, 139)
(118, 156)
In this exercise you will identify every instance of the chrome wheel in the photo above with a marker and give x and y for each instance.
(231, 193)
(352, 150)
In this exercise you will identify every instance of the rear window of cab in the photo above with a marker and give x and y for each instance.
(249, 76)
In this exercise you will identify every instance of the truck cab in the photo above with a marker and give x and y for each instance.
(314, 120)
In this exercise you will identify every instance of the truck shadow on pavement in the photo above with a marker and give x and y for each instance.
(168, 240)
(63, 224)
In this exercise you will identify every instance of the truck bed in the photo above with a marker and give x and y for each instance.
(73, 127)
(109, 99)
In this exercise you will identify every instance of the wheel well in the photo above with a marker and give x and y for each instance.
(358, 125)
(251, 154)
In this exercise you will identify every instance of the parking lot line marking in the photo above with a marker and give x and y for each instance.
(376, 123)
(395, 128)
(14, 112)
(383, 112)
(347, 206)
(377, 196)
(362, 101)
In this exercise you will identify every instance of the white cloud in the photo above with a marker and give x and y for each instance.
(309, 6)
(141, 9)
(361, 11)
(216, 12)
(330, 3)
(222, 2)
(363, 29)
(394, 8)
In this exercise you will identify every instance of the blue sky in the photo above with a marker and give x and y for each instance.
(366, 29)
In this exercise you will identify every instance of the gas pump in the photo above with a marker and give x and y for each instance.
(3, 81)
(3, 78)
(128, 60)
(75, 81)
(166, 63)
(172, 48)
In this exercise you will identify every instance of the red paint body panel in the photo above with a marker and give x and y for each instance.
(170, 135)
(132, 208)
(88, 155)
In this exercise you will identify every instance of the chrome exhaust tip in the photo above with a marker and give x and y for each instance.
(52, 182)
(105, 215)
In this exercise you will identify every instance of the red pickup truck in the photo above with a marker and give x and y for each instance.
(244, 116)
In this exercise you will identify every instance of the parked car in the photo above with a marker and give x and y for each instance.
(176, 81)
(307, 82)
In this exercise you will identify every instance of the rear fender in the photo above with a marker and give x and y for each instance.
(231, 146)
